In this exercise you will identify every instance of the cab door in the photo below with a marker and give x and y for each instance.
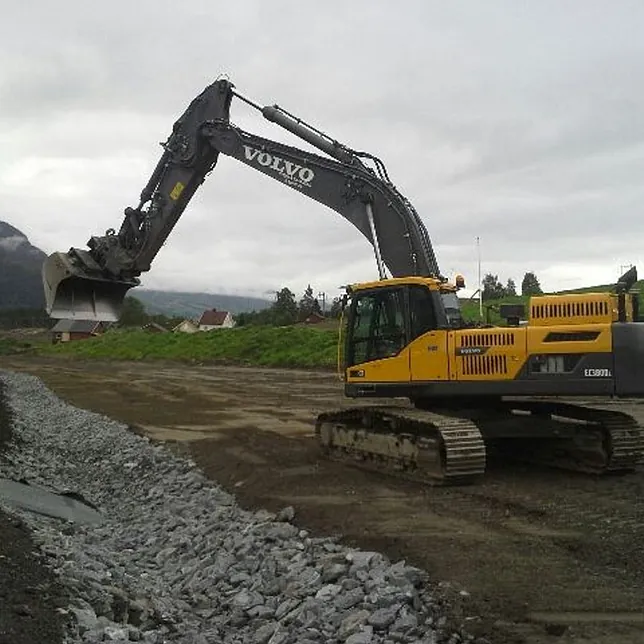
(428, 348)
(377, 341)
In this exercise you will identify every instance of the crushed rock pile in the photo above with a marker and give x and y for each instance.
(175, 559)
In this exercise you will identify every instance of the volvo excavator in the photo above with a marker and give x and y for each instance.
(452, 392)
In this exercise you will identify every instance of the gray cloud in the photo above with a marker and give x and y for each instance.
(519, 123)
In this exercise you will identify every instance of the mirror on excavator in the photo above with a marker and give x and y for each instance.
(73, 292)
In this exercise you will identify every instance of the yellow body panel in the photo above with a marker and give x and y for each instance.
(431, 283)
(488, 354)
(537, 339)
(575, 308)
(479, 354)
(428, 355)
(394, 369)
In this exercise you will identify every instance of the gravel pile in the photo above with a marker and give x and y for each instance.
(176, 560)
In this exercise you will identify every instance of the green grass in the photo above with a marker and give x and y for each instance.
(258, 346)
(11, 346)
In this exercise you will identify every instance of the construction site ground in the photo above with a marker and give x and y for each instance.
(543, 555)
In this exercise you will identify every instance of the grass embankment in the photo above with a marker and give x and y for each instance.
(257, 346)
(11, 347)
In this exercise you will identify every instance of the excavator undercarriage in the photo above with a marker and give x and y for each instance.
(449, 447)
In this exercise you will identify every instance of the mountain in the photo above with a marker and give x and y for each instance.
(20, 266)
(21, 284)
(190, 305)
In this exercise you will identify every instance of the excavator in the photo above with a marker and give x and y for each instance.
(435, 396)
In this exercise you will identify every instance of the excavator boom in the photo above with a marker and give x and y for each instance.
(92, 283)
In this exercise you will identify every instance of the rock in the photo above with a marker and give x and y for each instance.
(85, 618)
(247, 599)
(23, 610)
(333, 572)
(405, 622)
(328, 592)
(365, 636)
(361, 559)
(286, 514)
(383, 617)
(114, 633)
(352, 622)
(137, 612)
(349, 599)
(264, 633)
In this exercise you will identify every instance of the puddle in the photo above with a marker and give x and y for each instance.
(34, 498)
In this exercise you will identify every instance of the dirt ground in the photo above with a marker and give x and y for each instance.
(29, 594)
(546, 556)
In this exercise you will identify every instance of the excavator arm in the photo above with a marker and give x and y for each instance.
(91, 284)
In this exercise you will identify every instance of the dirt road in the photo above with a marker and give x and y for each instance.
(546, 556)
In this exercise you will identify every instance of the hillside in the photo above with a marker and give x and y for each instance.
(20, 266)
(184, 304)
(21, 284)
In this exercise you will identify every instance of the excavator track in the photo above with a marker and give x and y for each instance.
(415, 445)
(448, 447)
(597, 441)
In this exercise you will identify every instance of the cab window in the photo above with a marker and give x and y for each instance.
(421, 311)
(378, 328)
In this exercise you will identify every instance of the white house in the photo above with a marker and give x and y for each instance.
(213, 319)
(187, 326)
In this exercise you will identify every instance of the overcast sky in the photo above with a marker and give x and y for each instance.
(522, 123)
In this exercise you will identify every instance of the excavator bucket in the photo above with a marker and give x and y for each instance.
(73, 293)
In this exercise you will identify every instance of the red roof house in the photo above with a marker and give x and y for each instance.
(213, 319)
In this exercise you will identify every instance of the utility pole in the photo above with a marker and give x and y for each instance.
(478, 253)
(322, 294)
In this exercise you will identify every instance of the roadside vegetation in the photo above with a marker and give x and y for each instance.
(292, 346)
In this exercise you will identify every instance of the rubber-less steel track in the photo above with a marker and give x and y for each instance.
(598, 441)
(413, 444)
(443, 447)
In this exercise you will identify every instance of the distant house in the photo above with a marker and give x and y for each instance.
(214, 319)
(153, 327)
(67, 330)
(314, 318)
(187, 326)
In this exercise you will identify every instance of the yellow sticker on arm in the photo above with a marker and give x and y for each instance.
(177, 190)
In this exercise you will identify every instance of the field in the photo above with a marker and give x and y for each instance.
(541, 555)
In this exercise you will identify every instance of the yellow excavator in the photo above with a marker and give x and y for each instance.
(453, 392)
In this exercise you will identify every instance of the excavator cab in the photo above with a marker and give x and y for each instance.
(74, 291)
(380, 319)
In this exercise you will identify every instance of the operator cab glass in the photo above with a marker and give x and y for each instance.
(383, 321)
(452, 309)
(377, 327)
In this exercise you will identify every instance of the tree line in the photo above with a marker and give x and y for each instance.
(493, 289)
(286, 309)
